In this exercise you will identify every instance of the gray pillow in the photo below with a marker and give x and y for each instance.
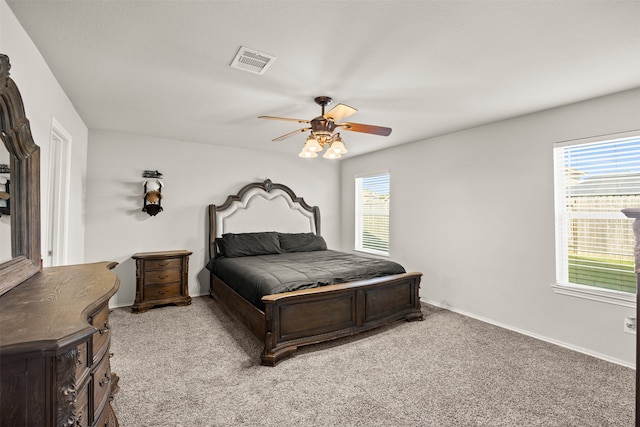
(250, 244)
(302, 242)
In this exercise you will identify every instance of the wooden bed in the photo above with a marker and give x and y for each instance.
(308, 316)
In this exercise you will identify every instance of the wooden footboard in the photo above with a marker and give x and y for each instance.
(311, 316)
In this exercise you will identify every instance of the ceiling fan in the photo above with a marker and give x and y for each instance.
(323, 129)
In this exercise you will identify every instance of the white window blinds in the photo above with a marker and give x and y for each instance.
(594, 240)
(372, 213)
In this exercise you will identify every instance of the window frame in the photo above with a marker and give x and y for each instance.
(358, 247)
(594, 293)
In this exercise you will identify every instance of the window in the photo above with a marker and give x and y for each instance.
(372, 213)
(595, 179)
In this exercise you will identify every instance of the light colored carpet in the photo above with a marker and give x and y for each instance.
(195, 366)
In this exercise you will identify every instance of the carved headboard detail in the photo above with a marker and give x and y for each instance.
(262, 206)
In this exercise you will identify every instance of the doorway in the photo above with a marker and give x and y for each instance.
(59, 170)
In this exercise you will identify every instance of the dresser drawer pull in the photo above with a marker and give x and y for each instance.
(163, 263)
(101, 331)
(105, 380)
(163, 276)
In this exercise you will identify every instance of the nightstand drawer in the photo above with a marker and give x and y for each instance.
(162, 276)
(154, 292)
(163, 264)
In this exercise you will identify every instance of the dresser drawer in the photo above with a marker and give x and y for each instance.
(155, 292)
(82, 368)
(162, 276)
(101, 386)
(163, 264)
(107, 418)
(100, 340)
(82, 407)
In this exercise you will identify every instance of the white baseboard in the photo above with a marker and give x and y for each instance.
(536, 336)
(120, 305)
(129, 304)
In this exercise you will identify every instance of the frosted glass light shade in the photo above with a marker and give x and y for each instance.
(337, 146)
(312, 144)
(330, 154)
(306, 154)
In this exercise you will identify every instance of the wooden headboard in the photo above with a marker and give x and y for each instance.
(262, 206)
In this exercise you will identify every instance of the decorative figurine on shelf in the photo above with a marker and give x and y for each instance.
(152, 200)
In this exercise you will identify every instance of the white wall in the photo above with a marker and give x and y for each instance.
(43, 100)
(195, 175)
(474, 211)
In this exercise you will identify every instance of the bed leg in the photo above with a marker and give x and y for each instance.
(412, 317)
(272, 354)
(272, 358)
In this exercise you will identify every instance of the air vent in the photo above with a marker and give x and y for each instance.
(252, 60)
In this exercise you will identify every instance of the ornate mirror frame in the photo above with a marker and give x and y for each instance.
(24, 186)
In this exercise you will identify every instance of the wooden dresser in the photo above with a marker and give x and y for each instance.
(161, 278)
(54, 348)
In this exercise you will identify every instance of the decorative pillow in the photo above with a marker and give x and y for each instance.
(250, 244)
(302, 242)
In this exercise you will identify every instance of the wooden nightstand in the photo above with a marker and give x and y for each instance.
(162, 278)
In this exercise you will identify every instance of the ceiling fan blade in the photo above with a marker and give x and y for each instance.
(359, 127)
(339, 112)
(290, 134)
(284, 118)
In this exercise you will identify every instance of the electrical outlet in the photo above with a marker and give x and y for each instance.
(630, 325)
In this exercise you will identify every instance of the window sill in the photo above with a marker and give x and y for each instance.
(372, 252)
(608, 296)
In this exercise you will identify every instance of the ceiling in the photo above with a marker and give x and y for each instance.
(423, 68)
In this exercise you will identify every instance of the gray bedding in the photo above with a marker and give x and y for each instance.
(256, 276)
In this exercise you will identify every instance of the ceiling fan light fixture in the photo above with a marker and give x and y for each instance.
(312, 144)
(306, 154)
(337, 146)
(323, 130)
(330, 154)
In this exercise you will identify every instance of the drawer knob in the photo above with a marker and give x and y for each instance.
(101, 331)
(105, 380)
(164, 276)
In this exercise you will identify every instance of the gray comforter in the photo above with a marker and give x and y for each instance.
(256, 276)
